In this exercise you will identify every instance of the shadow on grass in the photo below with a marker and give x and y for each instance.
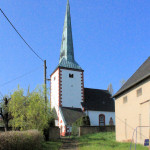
(51, 145)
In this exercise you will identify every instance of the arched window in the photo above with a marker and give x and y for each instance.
(111, 123)
(101, 120)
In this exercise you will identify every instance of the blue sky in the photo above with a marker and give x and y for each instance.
(111, 40)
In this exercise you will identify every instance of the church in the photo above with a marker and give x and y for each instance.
(68, 96)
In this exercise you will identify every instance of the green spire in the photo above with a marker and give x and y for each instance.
(67, 51)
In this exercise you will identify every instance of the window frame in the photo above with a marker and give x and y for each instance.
(71, 75)
(101, 115)
(139, 92)
(125, 99)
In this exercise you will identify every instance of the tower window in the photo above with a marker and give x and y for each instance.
(54, 78)
(71, 75)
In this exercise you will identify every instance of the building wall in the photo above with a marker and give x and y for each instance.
(54, 91)
(66, 91)
(83, 130)
(133, 113)
(54, 133)
(71, 88)
(62, 124)
(94, 117)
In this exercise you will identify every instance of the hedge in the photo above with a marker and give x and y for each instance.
(21, 140)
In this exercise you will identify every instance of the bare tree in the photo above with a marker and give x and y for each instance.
(110, 89)
(4, 112)
(122, 82)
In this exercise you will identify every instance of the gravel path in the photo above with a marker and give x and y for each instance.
(69, 144)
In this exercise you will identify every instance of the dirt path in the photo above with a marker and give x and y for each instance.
(69, 144)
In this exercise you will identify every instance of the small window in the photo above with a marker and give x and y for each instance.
(70, 75)
(54, 78)
(125, 99)
(139, 92)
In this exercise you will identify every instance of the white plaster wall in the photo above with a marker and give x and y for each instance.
(55, 90)
(69, 128)
(61, 121)
(56, 123)
(94, 117)
(71, 88)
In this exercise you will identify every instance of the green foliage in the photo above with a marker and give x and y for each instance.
(75, 130)
(1, 123)
(21, 140)
(51, 123)
(36, 115)
(83, 121)
(29, 112)
(17, 108)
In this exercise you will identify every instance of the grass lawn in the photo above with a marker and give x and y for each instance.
(104, 141)
(51, 145)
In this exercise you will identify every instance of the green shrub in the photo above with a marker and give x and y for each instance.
(75, 130)
(83, 121)
(21, 140)
(51, 123)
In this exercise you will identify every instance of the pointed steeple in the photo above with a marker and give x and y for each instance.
(67, 51)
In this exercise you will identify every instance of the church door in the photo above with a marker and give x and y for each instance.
(101, 120)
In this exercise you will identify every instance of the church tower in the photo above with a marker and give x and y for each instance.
(67, 84)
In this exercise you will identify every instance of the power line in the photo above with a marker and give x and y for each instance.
(21, 76)
(21, 36)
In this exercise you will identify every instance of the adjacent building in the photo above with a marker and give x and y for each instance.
(99, 106)
(132, 106)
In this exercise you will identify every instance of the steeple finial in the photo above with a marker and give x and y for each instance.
(67, 51)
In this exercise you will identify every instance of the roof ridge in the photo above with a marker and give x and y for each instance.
(136, 77)
(95, 89)
(139, 68)
(71, 107)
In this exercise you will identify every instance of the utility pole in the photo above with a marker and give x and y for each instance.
(45, 87)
